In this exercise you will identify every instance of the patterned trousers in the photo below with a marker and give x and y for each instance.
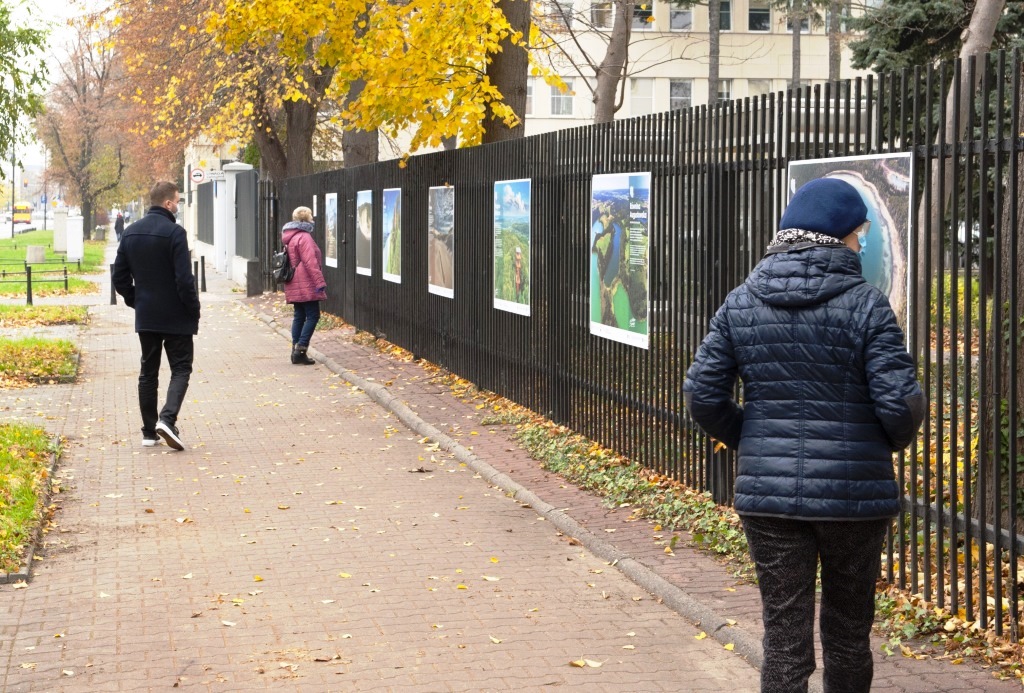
(786, 554)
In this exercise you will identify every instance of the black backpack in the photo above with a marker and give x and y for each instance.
(282, 266)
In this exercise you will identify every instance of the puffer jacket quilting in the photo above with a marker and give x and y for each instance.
(305, 256)
(829, 390)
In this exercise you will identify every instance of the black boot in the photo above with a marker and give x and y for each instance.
(299, 356)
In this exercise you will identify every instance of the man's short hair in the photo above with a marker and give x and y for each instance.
(162, 192)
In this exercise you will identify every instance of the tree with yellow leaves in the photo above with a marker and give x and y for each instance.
(274, 72)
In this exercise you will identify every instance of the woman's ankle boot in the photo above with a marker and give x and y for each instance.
(299, 356)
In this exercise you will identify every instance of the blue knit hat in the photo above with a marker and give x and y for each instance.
(825, 205)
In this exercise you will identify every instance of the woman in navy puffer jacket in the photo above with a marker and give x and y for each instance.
(829, 394)
(307, 288)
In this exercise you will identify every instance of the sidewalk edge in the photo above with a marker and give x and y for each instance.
(712, 623)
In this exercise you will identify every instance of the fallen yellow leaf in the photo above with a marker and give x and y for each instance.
(577, 663)
(344, 575)
(495, 640)
(257, 578)
(729, 647)
(700, 636)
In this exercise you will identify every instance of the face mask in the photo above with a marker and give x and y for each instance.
(862, 238)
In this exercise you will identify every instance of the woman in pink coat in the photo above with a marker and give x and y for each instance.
(307, 288)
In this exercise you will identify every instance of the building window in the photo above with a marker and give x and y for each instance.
(643, 16)
(724, 89)
(641, 96)
(805, 23)
(759, 16)
(560, 15)
(529, 97)
(601, 14)
(844, 13)
(759, 87)
(680, 20)
(725, 16)
(680, 93)
(561, 102)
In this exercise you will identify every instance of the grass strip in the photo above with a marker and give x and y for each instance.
(32, 316)
(35, 359)
(24, 470)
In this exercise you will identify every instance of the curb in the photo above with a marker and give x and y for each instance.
(24, 573)
(711, 622)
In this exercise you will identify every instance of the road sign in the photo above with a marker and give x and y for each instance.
(198, 175)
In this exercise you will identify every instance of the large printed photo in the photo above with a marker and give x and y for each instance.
(885, 183)
(619, 260)
(512, 246)
(441, 241)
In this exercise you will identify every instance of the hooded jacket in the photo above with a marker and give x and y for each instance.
(304, 255)
(153, 272)
(829, 390)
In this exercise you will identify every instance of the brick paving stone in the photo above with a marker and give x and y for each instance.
(292, 475)
(371, 576)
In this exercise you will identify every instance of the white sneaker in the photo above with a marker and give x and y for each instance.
(170, 435)
(149, 442)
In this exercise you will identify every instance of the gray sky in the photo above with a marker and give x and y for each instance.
(52, 14)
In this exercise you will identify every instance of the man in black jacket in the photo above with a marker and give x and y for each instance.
(829, 394)
(153, 272)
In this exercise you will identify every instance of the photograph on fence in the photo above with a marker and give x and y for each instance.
(314, 207)
(512, 246)
(391, 234)
(441, 241)
(331, 229)
(885, 183)
(364, 232)
(619, 233)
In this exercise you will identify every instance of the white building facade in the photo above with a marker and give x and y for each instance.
(668, 57)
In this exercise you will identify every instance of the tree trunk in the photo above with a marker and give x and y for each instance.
(508, 72)
(359, 147)
(613, 66)
(796, 17)
(714, 48)
(835, 38)
(977, 39)
(87, 215)
(301, 124)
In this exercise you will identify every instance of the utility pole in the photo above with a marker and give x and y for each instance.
(45, 199)
(14, 166)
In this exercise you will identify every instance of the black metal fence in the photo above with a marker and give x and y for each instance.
(718, 185)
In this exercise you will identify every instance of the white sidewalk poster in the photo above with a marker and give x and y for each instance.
(364, 232)
(391, 233)
(512, 246)
(619, 261)
(885, 183)
(441, 241)
(331, 229)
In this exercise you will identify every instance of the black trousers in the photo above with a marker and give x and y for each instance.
(179, 350)
(786, 555)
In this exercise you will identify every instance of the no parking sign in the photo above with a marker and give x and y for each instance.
(198, 175)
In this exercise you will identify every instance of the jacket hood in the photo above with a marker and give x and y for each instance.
(298, 226)
(805, 275)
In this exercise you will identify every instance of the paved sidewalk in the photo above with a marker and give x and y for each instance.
(306, 540)
(296, 477)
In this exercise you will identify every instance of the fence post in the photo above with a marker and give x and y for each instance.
(195, 268)
(202, 273)
(113, 294)
(65, 278)
(28, 284)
